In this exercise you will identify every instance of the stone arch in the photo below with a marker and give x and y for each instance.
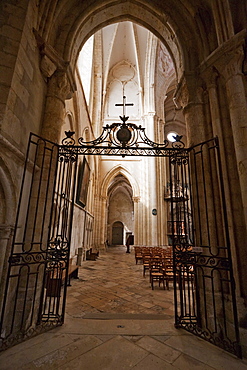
(119, 170)
(184, 44)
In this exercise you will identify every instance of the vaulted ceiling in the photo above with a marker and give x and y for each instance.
(125, 41)
(133, 56)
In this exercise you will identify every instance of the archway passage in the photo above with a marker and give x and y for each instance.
(120, 207)
(117, 233)
(203, 277)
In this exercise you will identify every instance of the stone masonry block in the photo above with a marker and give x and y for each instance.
(11, 32)
(8, 46)
(6, 75)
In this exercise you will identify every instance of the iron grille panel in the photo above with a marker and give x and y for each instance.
(41, 240)
(204, 289)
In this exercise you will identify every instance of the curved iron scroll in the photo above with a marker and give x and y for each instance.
(124, 139)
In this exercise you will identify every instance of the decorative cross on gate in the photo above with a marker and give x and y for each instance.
(124, 104)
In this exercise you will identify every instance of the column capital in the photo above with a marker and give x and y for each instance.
(230, 57)
(231, 64)
(52, 64)
(210, 76)
(190, 90)
(59, 86)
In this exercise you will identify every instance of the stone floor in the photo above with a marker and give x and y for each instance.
(115, 321)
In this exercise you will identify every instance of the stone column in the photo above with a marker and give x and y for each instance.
(199, 129)
(136, 201)
(96, 94)
(103, 218)
(190, 96)
(100, 227)
(58, 91)
(60, 86)
(230, 66)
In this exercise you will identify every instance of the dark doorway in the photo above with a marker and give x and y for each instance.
(117, 233)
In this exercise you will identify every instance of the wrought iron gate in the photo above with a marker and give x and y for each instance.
(204, 288)
(34, 298)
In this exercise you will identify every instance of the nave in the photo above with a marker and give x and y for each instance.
(114, 321)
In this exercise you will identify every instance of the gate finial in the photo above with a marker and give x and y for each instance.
(69, 140)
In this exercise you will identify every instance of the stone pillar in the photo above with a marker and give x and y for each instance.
(100, 223)
(210, 76)
(190, 96)
(136, 201)
(96, 93)
(230, 66)
(58, 91)
(60, 86)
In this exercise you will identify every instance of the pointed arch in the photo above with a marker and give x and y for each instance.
(119, 170)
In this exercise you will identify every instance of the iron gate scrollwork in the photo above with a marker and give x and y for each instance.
(204, 288)
(35, 292)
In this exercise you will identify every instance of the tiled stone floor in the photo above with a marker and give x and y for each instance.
(114, 284)
(114, 321)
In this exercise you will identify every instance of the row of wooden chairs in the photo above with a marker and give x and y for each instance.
(158, 261)
(142, 251)
(161, 271)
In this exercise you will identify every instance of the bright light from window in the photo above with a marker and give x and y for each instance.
(85, 61)
(171, 135)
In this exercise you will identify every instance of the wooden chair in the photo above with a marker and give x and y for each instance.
(168, 272)
(146, 262)
(138, 254)
(156, 272)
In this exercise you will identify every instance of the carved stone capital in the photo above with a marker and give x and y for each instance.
(190, 91)
(231, 63)
(51, 63)
(210, 76)
(59, 86)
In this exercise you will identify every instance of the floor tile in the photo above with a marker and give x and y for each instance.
(159, 349)
(117, 353)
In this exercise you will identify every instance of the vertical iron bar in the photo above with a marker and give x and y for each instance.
(70, 231)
